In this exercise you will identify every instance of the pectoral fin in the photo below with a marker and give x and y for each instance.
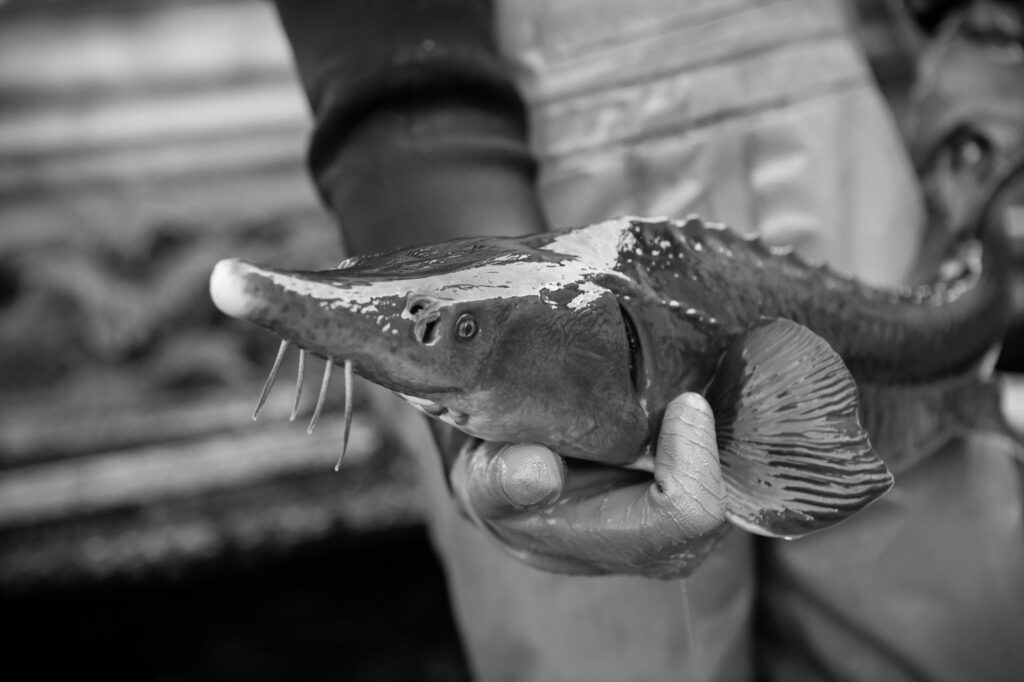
(794, 455)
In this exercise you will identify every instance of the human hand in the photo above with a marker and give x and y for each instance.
(569, 516)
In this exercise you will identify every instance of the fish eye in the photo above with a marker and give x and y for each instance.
(466, 326)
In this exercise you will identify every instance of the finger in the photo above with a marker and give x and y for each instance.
(496, 479)
(686, 469)
(659, 528)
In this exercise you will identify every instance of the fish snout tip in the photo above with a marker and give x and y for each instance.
(228, 289)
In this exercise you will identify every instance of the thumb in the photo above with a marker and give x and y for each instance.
(492, 480)
(686, 467)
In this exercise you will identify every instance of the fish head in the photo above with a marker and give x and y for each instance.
(503, 341)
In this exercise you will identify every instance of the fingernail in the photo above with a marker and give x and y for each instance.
(530, 476)
(694, 402)
(689, 417)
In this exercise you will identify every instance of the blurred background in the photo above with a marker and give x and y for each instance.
(148, 528)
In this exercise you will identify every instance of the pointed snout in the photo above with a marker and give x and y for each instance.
(373, 322)
(285, 302)
(324, 312)
(228, 288)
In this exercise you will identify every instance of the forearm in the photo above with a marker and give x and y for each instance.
(419, 132)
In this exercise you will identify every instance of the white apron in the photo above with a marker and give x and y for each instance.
(764, 115)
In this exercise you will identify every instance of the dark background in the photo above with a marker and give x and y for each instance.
(371, 607)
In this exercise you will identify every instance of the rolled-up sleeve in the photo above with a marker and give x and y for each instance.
(419, 131)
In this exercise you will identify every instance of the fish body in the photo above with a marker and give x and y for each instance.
(579, 339)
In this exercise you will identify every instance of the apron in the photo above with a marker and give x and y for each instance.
(763, 115)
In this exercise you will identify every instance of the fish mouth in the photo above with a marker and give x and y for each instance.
(435, 409)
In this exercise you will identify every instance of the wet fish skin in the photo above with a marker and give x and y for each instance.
(578, 340)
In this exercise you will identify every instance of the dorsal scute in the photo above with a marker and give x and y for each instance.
(717, 244)
(701, 236)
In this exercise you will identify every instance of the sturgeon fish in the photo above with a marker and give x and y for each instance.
(578, 339)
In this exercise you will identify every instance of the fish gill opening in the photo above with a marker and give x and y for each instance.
(635, 352)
